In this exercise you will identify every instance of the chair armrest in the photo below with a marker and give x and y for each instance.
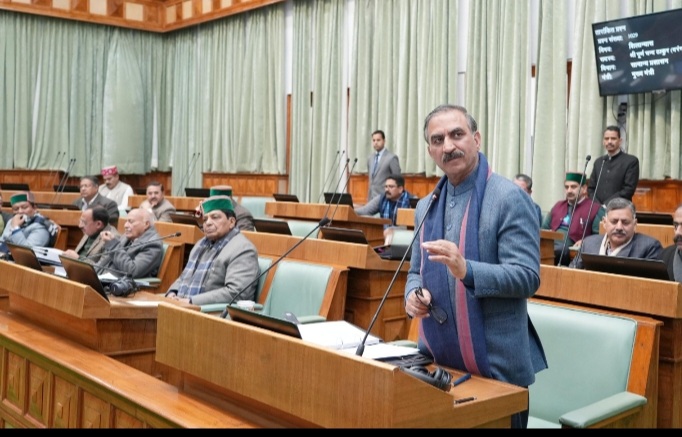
(311, 319)
(213, 307)
(602, 410)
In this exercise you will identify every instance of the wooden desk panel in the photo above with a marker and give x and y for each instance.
(661, 300)
(181, 203)
(122, 328)
(313, 386)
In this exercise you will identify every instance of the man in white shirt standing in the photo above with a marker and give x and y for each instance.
(114, 188)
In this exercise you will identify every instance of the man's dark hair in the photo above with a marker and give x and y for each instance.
(100, 214)
(155, 184)
(93, 179)
(613, 128)
(380, 132)
(526, 179)
(399, 180)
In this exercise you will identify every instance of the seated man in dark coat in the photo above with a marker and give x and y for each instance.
(620, 238)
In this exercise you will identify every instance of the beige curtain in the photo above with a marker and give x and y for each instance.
(498, 80)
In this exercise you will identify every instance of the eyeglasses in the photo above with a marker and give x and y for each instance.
(436, 312)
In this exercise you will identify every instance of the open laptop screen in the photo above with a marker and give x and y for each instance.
(338, 198)
(643, 268)
(272, 226)
(83, 273)
(262, 321)
(24, 256)
(279, 197)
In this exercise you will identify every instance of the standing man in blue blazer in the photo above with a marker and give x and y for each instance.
(380, 164)
(477, 262)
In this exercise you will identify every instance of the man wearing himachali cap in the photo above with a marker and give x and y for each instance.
(575, 189)
(113, 188)
(27, 226)
(244, 217)
(222, 264)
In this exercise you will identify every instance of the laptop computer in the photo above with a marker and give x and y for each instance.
(83, 273)
(24, 256)
(67, 188)
(280, 197)
(185, 219)
(652, 218)
(263, 321)
(198, 192)
(356, 236)
(14, 187)
(338, 198)
(272, 226)
(643, 268)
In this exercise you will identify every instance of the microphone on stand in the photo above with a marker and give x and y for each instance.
(190, 166)
(322, 223)
(589, 212)
(56, 168)
(329, 205)
(338, 201)
(361, 347)
(334, 168)
(575, 205)
(62, 182)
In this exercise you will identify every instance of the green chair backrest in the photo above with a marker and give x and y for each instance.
(263, 265)
(298, 287)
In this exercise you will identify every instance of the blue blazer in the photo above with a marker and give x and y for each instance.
(507, 273)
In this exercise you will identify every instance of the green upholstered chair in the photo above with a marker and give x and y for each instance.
(263, 264)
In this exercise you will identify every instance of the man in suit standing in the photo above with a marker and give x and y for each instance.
(672, 255)
(93, 222)
(476, 263)
(380, 164)
(90, 197)
(617, 171)
(620, 238)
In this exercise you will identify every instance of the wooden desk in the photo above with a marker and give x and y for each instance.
(368, 278)
(303, 385)
(44, 196)
(405, 217)
(661, 300)
(124, 328)
(342, 216)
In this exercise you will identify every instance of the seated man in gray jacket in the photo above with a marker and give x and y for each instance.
(221, 265)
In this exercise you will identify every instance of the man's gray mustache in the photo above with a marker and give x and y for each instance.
(452, 155)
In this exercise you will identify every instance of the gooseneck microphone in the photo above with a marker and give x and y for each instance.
(322, 223)
(361, 347)
(62, 182)
(589, 212)
(329, 205)
(338, 201)
(55, 170)
(190, 169)
(575, 206)
(335, 167)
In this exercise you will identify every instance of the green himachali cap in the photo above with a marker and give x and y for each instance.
(576, 177)
(220, 190)
(19, 197)
(213, 203)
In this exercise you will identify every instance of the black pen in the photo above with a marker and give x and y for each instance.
(463, 400)
(461, 379)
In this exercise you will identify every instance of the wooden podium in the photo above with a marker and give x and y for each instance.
(123, 328)
(282, 381)
(661, 300)
(368, 278)
(342, 216)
